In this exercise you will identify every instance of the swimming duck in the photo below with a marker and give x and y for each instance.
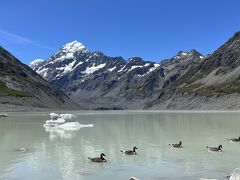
(130, 152)
(179, 145)
(22, 149)
(98, 159)
(235, 139)
(216, 149)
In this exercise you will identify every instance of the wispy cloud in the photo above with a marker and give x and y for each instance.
(8, 36)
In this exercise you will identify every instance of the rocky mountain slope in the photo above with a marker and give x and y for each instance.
(20, 86)
(188, 80)
(96, 80)
(212, 84)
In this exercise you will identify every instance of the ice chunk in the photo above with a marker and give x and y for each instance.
(235, 175)
(73, 126)
(54, 116)
(68, 116)
(58, 126)
(57, 121)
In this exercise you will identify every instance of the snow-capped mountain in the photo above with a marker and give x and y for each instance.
(75, 62)
(36, 63)
(97, 80)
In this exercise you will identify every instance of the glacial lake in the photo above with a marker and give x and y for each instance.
(64, 154)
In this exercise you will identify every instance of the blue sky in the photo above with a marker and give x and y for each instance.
(151, 29)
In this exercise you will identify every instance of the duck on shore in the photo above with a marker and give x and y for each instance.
(98, 159)
(179, 145)
(234, 139)
(130, 152)
(216, 149)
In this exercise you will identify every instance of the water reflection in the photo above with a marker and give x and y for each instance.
(55, 132)
(61, 154)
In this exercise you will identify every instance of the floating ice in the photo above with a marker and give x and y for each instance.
(235, 175)
(54, 116)
(52, 122)
(3, 115)
(134, 178)
(58, 125)
(73, 126)
(68, 116)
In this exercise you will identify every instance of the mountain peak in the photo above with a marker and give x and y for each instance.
(194, 52)
(35, 63)
(235, 38)
(68, 50)
(183, 54)
(237, 34)
(73, 46)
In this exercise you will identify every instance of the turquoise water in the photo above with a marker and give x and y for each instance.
(63, 154)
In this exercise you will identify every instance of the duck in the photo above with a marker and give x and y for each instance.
(98, 159)
(235, 139)
(131, 152)
(216, 149)
(179, 145)
(22, 149)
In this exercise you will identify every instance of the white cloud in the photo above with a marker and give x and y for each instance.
(5, 35)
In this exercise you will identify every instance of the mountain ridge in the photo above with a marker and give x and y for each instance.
(188, 80)
(98, 79)
(21, 86)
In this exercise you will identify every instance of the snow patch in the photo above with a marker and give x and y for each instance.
(134, 67)
(43, 72)
(67, 68)
(90, 70)
(153, 68)
(122, 69)
(112, 69)
(78, 64)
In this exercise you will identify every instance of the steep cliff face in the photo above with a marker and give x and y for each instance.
(21, 86)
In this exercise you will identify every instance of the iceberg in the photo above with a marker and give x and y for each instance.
(73, 126)
(55, 116)
(235, 175)
(60, 125)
